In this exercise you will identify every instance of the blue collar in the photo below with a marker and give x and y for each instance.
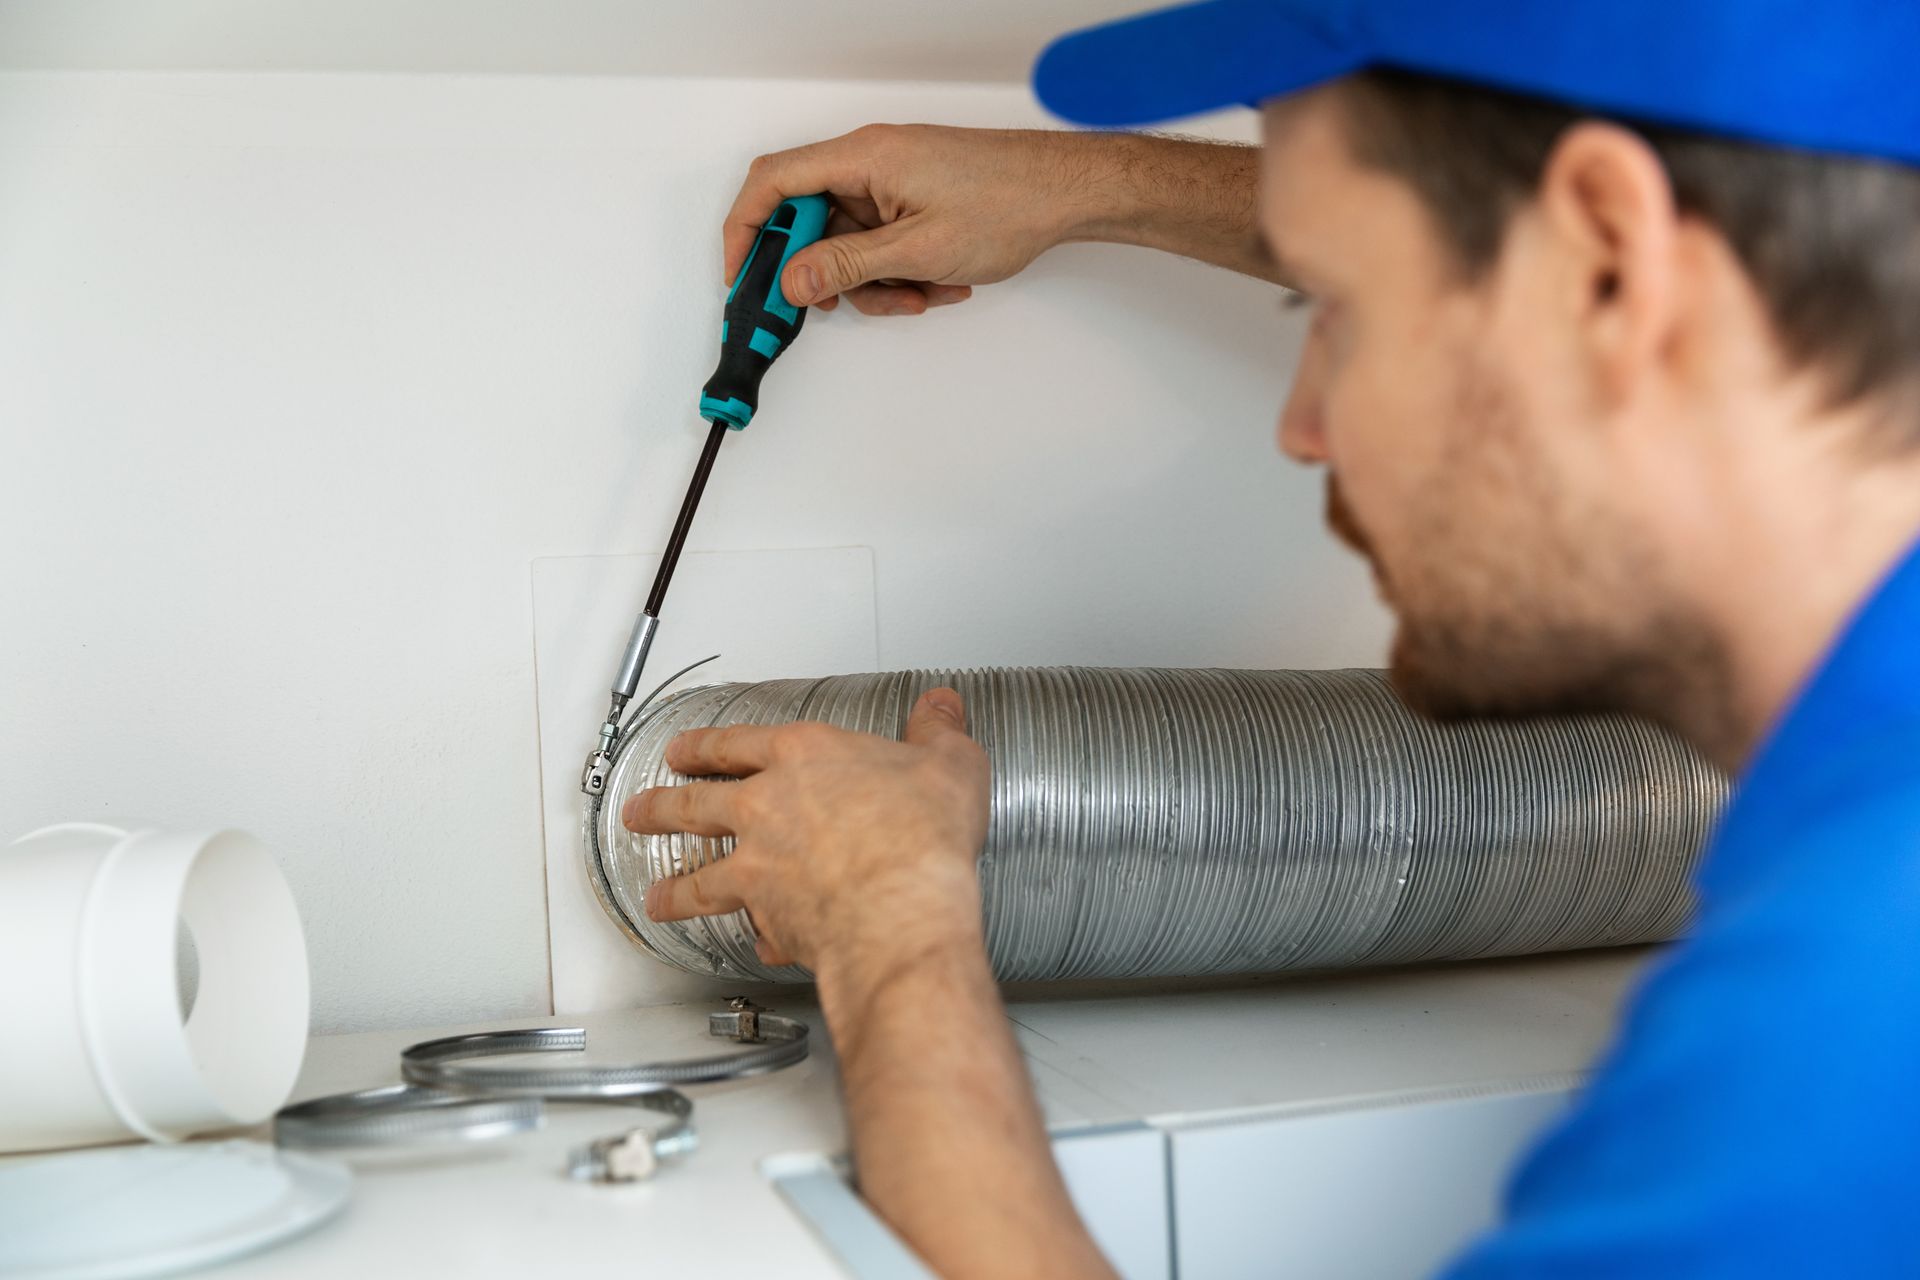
(1853, 728)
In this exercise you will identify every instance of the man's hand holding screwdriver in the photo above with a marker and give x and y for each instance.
(922, 213)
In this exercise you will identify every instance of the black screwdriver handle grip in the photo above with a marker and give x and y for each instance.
(759, 322)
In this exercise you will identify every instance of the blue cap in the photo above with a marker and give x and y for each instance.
(1823, 75)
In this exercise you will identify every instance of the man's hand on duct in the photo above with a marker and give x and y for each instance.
(850, 849)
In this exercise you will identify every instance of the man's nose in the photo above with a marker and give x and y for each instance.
(1303, 434)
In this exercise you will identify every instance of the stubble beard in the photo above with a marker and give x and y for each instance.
(1516, 600)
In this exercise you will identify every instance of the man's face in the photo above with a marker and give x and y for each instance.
(1468, 458)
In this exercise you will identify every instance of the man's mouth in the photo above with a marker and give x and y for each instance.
(1346, 527)
(1340, 519)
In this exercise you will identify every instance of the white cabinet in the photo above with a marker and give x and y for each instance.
(1366, 1193)
(1118, 1179)
(1373, 1189)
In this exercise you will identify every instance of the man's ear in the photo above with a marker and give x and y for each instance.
(1607, 203)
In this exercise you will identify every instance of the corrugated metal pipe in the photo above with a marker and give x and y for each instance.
(1186, 822)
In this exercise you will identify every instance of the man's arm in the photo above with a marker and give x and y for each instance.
(856, 856)
(922, 213)
(947, 1138)
(1180, 195)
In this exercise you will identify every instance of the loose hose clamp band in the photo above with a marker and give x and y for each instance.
(443, 1100)
(400, 1115)
(404, 1115)
(636, 1155)
(438, 1064)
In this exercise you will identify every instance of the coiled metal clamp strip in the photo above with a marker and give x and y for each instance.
(439, 1064)
(398, 1114)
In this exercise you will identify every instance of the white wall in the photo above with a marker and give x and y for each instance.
(919, 40)
(298, 374)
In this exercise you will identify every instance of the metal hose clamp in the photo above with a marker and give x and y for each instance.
(444, 1100)
(636, 1155)
(633, 1156)
(401, 1114)
(440, 1064)
(405, 1114)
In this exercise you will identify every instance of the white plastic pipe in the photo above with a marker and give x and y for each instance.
(93, 1047)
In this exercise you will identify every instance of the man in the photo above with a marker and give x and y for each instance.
(1615, 369)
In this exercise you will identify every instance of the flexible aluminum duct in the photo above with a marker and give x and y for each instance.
(1188, 822)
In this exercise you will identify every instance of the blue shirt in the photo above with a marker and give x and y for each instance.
(1760, 1115)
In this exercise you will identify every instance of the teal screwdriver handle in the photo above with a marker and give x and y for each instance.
(759, 322)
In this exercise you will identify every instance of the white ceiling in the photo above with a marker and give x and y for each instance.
(954, 40)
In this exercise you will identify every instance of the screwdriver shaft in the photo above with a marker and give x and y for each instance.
(684, 521)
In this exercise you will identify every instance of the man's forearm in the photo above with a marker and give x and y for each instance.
(1196, 199)
(948, 1142)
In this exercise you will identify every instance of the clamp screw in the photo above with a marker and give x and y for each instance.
(747, 1022)
(633, 1156)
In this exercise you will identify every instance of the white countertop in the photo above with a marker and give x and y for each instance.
(505, 1209)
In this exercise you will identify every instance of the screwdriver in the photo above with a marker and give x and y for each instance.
(756, 326)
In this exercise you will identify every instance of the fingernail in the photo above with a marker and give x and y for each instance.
(807, 282)
(629, 811)
(651, 900)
